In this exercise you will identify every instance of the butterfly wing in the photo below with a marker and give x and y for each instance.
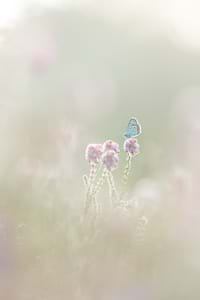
(133, 128)
(132, 122)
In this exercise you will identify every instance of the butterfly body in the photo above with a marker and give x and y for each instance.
(133, 129)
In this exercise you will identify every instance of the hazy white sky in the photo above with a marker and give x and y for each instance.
(12, 9)
(179, 18)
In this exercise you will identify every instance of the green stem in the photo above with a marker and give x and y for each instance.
(90, 183)
(127, 169)
(100, 182)
(112, 189)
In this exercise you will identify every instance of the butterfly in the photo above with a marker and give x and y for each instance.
(133, 129)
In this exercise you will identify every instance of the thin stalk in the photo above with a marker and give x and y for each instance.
(112, 189)
(127, 169)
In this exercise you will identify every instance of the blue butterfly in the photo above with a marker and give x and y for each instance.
(133, 129)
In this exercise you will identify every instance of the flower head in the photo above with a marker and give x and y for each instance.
(131, 146)
(94, 152)
(110, 159)
(111, 145)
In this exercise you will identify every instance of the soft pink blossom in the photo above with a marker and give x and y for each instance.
(42, 57)
(94, 152)
(131, 146)
(111, 145)
(110, 159)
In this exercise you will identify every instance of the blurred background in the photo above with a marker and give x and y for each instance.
(73, 72)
